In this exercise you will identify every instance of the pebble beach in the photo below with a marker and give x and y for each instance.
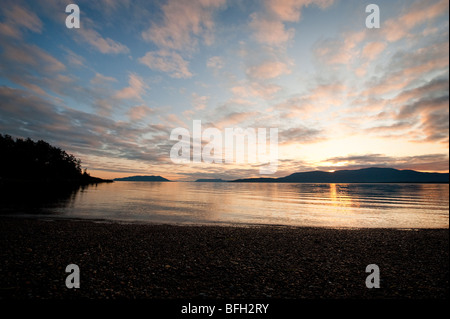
(155, 261)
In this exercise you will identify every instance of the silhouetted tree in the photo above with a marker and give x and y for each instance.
(29, 160)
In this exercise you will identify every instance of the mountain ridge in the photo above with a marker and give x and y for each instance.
(365, 175)
(142, 178)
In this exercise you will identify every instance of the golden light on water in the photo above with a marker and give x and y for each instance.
(314, 205)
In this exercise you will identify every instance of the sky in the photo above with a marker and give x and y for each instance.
(340, 94)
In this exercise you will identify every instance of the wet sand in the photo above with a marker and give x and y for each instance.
(142, 261)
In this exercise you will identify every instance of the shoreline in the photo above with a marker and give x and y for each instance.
(162, 261)
(50, 217)
(56, 217)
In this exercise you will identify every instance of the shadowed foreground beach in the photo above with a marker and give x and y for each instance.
(212, 262)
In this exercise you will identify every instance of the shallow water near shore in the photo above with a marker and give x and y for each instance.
(311, 205)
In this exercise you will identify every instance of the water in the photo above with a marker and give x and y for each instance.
(323, 205)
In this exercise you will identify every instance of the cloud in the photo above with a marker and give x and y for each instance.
(19, 18)
(372, 49)
(316, 101)
(172, 120)
(9, 30)
(269, 25)
(28, 55)
(418, 13)
(397, 126)
(350, 48)
(437, 85)
(20, 109)
(30, 66)
(199, 102)
(266, 91)
(112, 6)
(419, 112)
(183, 22)
(425, 59)
(215, 62)
(75, 59)
(435, 125)
(290, 10)
(233, 119)
(341, 50)
(104, 45)
(405, 68)
(167, 61)
(33, 68)
(100, 79)
(270, 31)
(135, 89)
(268, 70)
(25, 115)
(433, 116)
(299, 134)
(139, 112)
(424, 105)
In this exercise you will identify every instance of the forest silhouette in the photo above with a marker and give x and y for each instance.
(27, 160)
(37, 174)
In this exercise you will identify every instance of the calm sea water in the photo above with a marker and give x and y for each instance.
(324, 205)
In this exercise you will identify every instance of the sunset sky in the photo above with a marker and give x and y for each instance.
(341, 95)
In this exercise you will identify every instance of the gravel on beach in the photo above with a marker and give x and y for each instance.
(143, 261)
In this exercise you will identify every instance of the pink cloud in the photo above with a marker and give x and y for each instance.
(215, 62)
(269, 26)
(419, 13)
(407, 67)
(270, 31)
(9, 30)
(234, 119)
(256, 90)
(104, 45)
(414, 94)
(31, 55)
(268, 70)
(167, 61)
(319, 101)
(100, 79)
(172, 120)
(182, 22)
(290, 10)
(18, 18)
(199, 102)
(135, 89)
(340, 51)
(372, 49)
(435, 125)
(139, 112)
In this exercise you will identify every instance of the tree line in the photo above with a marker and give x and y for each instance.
(26, 159)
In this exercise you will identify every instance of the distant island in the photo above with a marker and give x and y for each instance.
(210, 180)
(26, 162)
(143, 179)
(365, 175)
